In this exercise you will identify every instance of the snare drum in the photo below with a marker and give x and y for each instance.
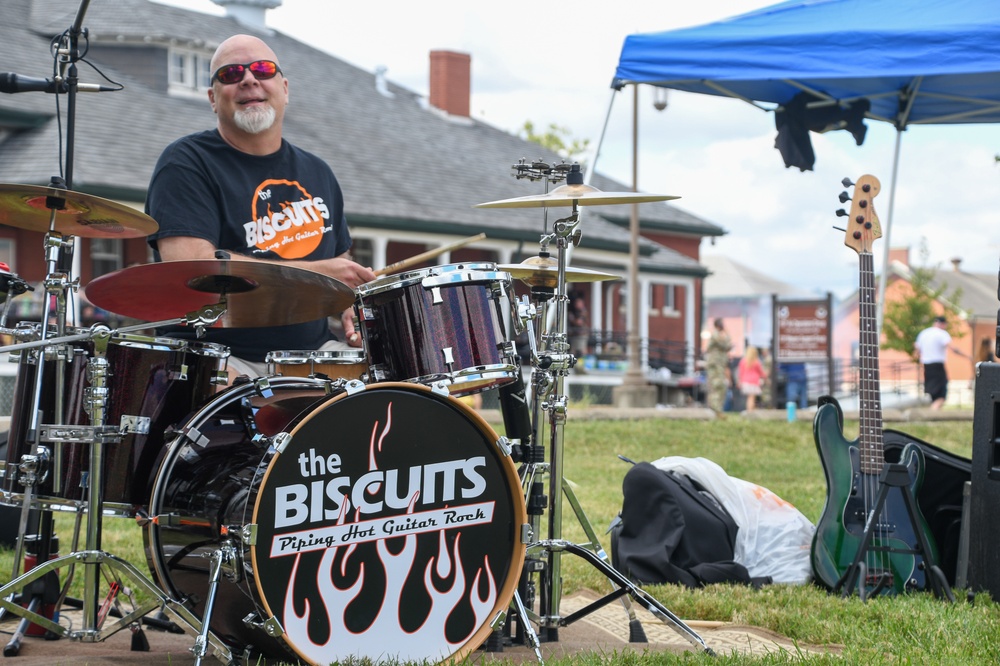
(380, 522)
(152, 383)
(438, 324)
(336, 363)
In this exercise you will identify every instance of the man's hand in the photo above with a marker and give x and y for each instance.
(351, 336)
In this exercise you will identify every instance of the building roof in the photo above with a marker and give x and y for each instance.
(401, 164)
(730, 279)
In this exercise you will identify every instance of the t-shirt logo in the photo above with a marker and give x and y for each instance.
(287, 220)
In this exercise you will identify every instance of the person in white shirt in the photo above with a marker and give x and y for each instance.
(932, 345)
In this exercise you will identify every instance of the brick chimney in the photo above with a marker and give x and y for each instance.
(900, 254)
(451, 82)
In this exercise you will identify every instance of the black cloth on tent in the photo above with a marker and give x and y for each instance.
(672, 530)
(795, 120)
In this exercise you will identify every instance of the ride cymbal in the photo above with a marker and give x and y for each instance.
(257, 293)
(77, 214)
(576, 195)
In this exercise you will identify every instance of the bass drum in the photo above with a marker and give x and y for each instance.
(382, 522)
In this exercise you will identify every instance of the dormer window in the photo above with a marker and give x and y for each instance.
(190, 71)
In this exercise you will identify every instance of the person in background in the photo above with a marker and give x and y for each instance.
(796, 383)
(578, 324)
(932, 345)
(242, 188)
(751, 375)
(717, 374)
(984, 353)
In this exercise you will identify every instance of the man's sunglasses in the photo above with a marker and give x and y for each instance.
(261, 70)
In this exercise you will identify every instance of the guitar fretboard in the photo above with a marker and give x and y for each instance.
(869, 391)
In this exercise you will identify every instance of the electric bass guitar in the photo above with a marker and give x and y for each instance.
(853, 468)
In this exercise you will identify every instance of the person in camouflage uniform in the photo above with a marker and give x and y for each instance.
(717, 366)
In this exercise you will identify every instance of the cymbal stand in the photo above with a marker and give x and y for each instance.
(552, 361)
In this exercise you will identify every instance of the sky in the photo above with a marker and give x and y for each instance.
(552, 63)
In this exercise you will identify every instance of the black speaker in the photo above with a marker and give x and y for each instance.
(984, 499)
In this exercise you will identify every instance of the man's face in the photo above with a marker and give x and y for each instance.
(250, 106)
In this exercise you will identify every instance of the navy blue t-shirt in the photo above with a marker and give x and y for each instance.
(283, 206)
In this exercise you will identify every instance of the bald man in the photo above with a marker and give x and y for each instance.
(243, 188)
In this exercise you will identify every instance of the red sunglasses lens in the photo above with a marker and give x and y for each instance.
(261, 69)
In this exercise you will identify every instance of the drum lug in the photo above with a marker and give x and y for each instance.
(526, 534)
(219, 378)
(354, 386)
(134, 424)
(449, 357)
(367, 314)
(280, 441)
(263, 387)
(499, 620)
(504, 445)
(179, 373)
(441, 388)
(436, 296)
(194, 436)
(271, 625)
(248, 534)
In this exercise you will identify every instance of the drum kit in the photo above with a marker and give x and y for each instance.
(344, 505)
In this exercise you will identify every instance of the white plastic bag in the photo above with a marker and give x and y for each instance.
(774, 538)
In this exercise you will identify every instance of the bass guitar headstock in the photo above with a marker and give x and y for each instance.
(863, 227)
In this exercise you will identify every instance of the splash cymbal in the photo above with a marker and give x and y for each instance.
(257, 293)
(544, 272)
(77, 214)
(576, 195)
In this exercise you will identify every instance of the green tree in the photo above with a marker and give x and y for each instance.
(557, 139)
(905, 318)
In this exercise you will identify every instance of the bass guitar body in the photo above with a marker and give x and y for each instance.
(890, 562)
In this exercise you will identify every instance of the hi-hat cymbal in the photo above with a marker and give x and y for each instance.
(544, 272)
(84, 215)
(257, 293)
(576, 195)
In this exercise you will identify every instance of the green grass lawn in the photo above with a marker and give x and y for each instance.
(911, 629)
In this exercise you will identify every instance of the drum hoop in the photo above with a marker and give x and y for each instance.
(504, 594)
(447, 274)
(301, 357)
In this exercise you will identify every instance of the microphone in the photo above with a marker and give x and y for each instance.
(17, 83)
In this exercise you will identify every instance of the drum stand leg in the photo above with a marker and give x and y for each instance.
(625, 586)
(221, 557)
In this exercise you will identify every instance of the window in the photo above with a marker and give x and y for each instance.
(105, 255)
(7, 253)
(362, 252)
(662, 299)
(189, 71)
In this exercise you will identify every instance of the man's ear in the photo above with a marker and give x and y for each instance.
(211, 99)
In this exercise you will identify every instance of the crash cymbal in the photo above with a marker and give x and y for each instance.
(84, 215)
(258, 293)
(579, 195)
(544, 272)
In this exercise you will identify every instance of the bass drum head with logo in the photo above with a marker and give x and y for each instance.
(388, 527)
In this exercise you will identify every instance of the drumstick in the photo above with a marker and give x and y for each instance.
(430, 254)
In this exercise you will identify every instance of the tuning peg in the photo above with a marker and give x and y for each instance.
(847, 182)
(841, 212)
(844, 197)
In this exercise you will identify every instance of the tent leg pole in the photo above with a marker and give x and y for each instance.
(887, 231)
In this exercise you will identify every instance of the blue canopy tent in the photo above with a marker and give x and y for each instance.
(835, 63)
